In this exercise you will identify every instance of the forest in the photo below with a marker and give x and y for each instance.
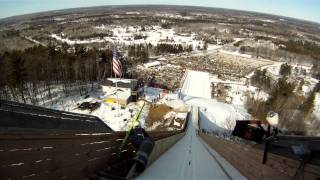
(287, 49)
(139, 53)
(29, 75)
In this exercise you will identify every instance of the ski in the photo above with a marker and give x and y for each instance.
(136, 118)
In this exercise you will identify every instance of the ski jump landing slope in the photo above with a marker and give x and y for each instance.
(196, 84)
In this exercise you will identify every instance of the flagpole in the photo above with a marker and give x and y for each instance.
(111, 68)
(117, 94)
(115, 57)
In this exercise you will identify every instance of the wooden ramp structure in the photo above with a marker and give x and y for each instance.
(69, 156)
(17, 117)
(247, 158)
(48, 148)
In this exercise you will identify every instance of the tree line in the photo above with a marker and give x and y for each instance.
(140, 52)
(28, 74)
(295, 50)
(164, 48)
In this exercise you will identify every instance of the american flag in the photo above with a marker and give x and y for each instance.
(116, 64)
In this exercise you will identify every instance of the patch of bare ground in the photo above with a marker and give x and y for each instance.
(157, 113)
(162, 118)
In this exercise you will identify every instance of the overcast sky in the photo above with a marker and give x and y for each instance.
(302, 9)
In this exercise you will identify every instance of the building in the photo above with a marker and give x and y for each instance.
(124, 94)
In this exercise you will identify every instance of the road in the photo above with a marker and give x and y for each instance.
(191, 158)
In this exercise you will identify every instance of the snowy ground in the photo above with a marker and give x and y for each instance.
(126, 35)
(238, 91)
(236, 53)
(216, 115)
(117, 117)
(274, 68)
(173, 101)
(317, 105)
(113, 115)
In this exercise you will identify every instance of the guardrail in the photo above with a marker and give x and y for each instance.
(61, 156)
(23, 117)
(248, 160)
(282, 145)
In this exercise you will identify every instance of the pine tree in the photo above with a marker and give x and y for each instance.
(285, 69)
(283, 89)
(308, 105)
(17, 73)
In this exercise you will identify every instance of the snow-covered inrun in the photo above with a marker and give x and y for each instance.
(190, 157)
